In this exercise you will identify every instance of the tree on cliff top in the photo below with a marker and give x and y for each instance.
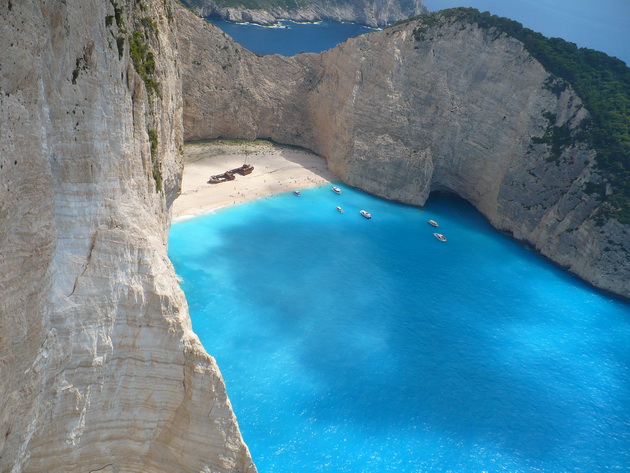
(601, 81)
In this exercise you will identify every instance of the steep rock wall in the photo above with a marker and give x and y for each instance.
(371, 13)
(99, 367)
(416, 108)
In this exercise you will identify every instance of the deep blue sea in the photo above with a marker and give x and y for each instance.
(290, 38)
(368, 346)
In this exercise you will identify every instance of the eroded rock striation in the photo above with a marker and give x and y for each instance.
(99, 367)
(421, 107)
(365, 12)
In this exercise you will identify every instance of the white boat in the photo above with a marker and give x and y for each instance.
(433, 223)
(298, 193)
(365, 214)
(336, 190)
(340, 209)
(439, 236)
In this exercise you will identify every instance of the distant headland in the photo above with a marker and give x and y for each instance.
(268, 12)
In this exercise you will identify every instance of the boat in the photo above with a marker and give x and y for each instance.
(217, 178)
(433, 223)
(336, 190)
(243, 170)
(298, 193)
(439, 236)
(340, 209)
(365, 214)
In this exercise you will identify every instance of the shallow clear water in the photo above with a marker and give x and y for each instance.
(354, 345)
(291, 38)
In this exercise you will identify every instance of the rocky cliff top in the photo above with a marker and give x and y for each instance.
(601, 81)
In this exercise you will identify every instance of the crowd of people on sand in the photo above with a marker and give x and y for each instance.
(247, 192)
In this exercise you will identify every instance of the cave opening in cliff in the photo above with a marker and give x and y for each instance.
(440, 191)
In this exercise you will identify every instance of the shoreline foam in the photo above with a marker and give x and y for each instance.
(277, 169)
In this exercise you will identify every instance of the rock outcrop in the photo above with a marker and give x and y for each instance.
(365, 12)
(99, 367)
(416, 108)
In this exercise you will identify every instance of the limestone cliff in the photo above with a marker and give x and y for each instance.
(265, 12)
(99, 367)
(421, 107)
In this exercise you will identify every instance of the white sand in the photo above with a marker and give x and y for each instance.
(276, 169)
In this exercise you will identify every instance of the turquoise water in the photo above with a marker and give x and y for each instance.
(291, 38)
(354, 345)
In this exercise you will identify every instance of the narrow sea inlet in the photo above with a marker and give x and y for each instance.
(355, 345)
(290, 38)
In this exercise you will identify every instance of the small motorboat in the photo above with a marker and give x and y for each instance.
(433, 223)
(439, 236)
(340, 209)
(298, 193)
(336, 190)
(365, 214)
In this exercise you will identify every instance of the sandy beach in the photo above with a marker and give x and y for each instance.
(276, 169)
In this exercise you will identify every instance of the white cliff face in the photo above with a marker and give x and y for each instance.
(399, 114)
(99, 367)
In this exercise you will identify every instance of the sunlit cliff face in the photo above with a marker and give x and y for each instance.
(100, 370)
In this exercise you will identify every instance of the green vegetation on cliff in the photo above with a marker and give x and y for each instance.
(156, 165)
(601, 81)
(143, 60)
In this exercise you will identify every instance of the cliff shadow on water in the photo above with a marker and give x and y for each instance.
(452, 200)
